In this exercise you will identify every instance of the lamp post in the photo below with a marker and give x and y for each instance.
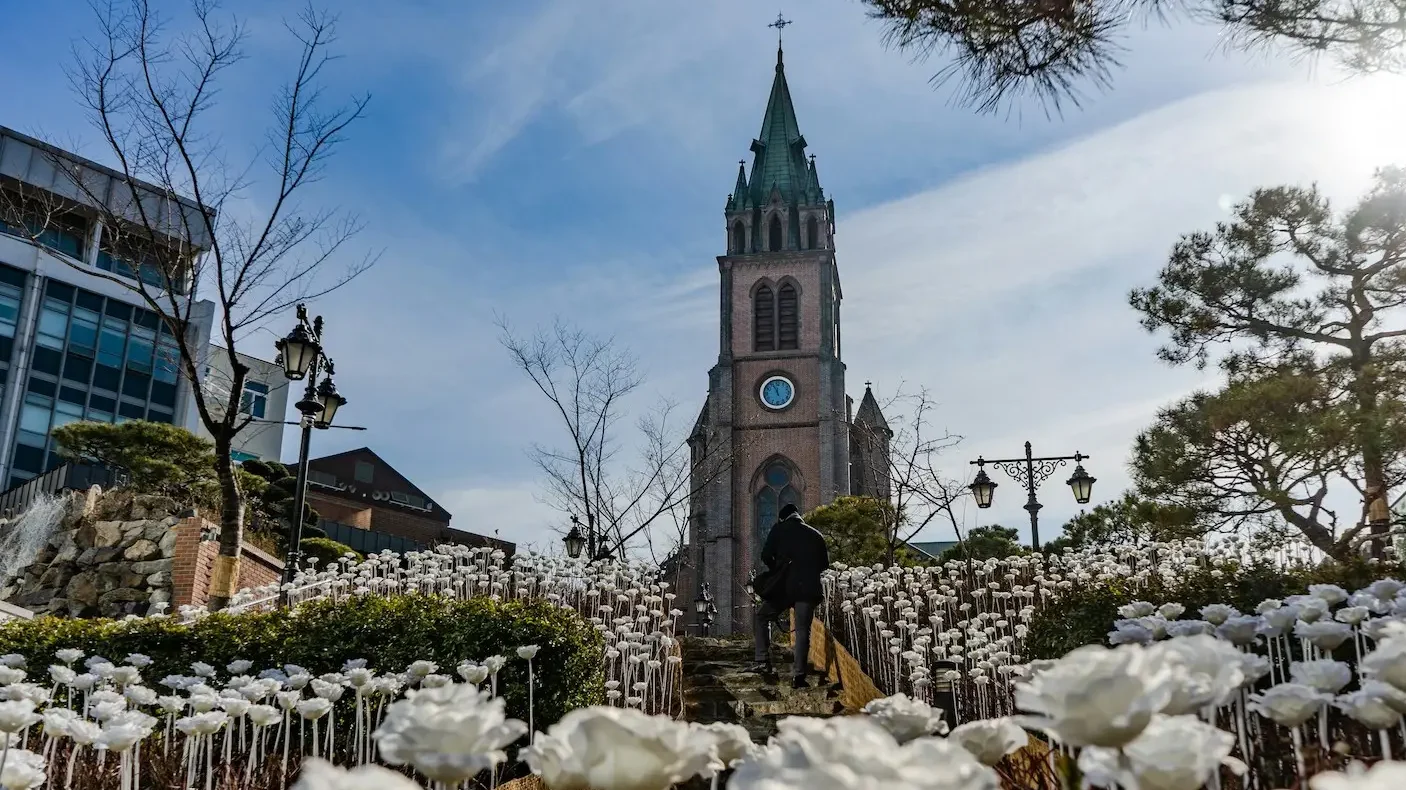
(573, 540)
(704, 607)
(303, 358)
(1031, 472)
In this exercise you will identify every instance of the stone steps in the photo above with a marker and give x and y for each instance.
(718, 687)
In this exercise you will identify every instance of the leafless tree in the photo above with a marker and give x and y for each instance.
(620, 496)
(180, 223)
(919, 492)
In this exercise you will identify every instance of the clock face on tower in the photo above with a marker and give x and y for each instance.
(777, 392)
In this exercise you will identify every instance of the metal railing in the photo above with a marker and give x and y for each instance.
(72, 475)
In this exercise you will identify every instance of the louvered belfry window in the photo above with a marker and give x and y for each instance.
(764, 319)
(787, 318)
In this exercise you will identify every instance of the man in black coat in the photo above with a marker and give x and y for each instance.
(795, 552)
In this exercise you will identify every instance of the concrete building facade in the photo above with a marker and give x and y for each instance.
(264, 400)
(74, 344)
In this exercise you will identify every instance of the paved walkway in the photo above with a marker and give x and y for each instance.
(718, 687)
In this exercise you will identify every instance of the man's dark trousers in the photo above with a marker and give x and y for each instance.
(762, 617)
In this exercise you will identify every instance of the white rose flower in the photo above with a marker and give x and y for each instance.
(1173, 753)
(1385, 775)
(450, 733)
(1135, 610)
(1242, 629)
(1388, 662)
(617, 748)
(731, 742)
(1218, 613)
(322, 775)
(1323, 674)
(1331, 593)
(906, 719)
(17, 714)
(1325, 635)
(1095, 696)
(1171, 611)
(313, 709)
(849, 752)
(990, 740)
(1289, 704)
(1375, 712)
(527, 652)
(23, 770)
(1207, 672)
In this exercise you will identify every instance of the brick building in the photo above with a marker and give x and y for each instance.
(776, 411)
(359, 489)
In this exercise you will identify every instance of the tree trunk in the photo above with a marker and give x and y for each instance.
(225, 576)
(1376, 510)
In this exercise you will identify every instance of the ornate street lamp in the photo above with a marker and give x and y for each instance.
(1082, 485)
(328, 400)
(299, 349)
(574, 541)
(302, 357)
(983, 488)
(1031, 472)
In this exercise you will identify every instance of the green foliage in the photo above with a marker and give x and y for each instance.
(326, 550)
(1129, 520)
(271, 499)
(1297, 304)
(1085, 615)
(986, 543)
(162, 458)
(857, 529)
(389, 633)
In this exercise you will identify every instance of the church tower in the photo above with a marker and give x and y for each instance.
(775, 428)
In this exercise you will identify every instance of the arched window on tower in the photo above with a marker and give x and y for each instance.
(764, 319)
(787, 335)
(739, 238)
(777, 491)
(812, 234)
(774, 237)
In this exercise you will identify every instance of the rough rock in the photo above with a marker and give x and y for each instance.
(120, 602)
(37, 599)
(160, 596)
(159, 579)
(142, 550)
(57, 576)
(68, 549)
(82, 589)
(99, 534)
(98, 556)
(151, 566)
(168, 544)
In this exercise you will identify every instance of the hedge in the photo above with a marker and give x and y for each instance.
(390, 633)
(326, 550)
(1085, 615)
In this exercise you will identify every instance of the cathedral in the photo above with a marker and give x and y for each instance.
(777, 427)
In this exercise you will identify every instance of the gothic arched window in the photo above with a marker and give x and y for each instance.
(787, 336)
(739, 237)
(774, 238)
(812, 234)
(764, 319)
(777, 490)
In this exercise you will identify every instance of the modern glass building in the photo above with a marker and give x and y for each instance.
(75, 345)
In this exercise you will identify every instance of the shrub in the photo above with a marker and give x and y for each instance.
(326, 550)
(1085, 615)
(321, 636)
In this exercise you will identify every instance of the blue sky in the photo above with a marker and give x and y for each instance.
(572, 158)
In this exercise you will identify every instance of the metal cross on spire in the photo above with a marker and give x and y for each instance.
(780, 24)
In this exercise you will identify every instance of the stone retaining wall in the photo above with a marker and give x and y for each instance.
(117, 554)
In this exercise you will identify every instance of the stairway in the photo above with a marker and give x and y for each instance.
(718, 687)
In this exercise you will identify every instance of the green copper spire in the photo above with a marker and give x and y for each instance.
(738, 198)
(779, 149)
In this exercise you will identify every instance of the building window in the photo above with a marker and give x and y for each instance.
(254, 400)
(812, 234)
(776, 492)
(787, 318)
(739, 237)
(764, 319)
(774, 237)
(9, 309)
(365, 472)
